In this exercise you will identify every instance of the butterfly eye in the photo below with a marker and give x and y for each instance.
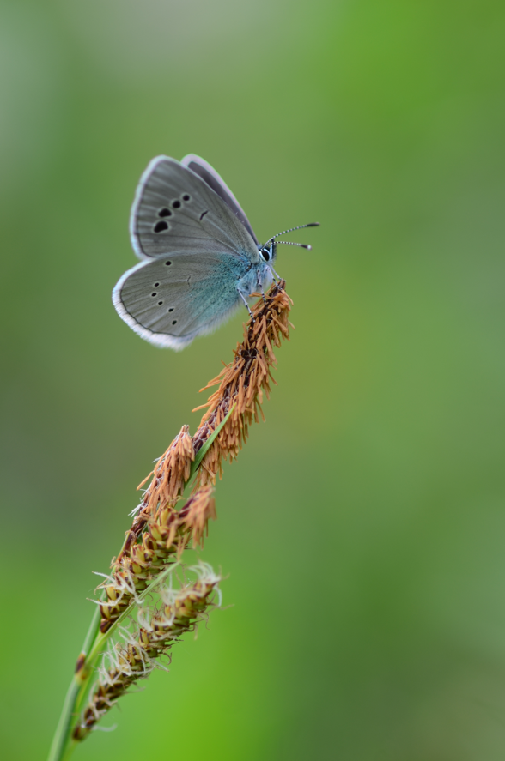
(186, 197)
(176, 204)
(266, 256)
(164, 212)
(160, 227)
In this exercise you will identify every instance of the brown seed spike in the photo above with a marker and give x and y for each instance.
(159, 532)
(124, 665)
(242, 383)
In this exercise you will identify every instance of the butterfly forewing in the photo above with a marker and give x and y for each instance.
(209, 175)
(175, 211)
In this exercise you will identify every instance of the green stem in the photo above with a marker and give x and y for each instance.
(63, 743)
(77, 686)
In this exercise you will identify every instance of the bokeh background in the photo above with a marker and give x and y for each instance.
(362, 529)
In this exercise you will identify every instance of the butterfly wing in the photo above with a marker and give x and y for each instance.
(170, 300)
(209, 175)
(175, 211)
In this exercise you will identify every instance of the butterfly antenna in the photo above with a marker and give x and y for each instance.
(288, 243)
(298, 227)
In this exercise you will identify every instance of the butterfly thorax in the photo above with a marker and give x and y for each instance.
(257, 278)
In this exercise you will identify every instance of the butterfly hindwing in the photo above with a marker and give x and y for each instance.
(170, 300)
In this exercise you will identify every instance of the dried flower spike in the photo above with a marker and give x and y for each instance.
(167, 533)
(159, 532)
(157, 630)
(242, 383)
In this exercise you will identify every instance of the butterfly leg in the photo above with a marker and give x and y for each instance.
(260, 286)
(245, 303)
(275, 276)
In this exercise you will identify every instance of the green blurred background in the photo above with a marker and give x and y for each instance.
(362, 530)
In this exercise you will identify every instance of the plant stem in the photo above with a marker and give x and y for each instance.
(74, 695)
(150, 549)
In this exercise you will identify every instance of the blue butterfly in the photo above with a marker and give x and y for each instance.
(200, 258)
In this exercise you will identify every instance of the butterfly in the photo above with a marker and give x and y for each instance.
(200, 258)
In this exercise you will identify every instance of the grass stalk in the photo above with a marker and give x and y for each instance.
(161, 531)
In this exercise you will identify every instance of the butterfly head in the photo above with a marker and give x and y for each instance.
(268, 251)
